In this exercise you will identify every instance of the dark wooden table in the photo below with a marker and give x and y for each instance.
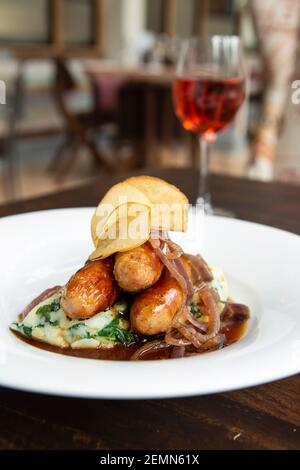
(264, 417)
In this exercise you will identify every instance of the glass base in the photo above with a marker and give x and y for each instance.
(205, 203)
(222, 212)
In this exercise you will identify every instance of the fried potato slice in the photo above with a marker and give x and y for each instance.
(157, 190)
(125, 233)
(165, 205)
(169, 204)
(118, 195)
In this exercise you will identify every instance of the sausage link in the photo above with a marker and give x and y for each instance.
(137, 269)
(153, 310)
(90, 290)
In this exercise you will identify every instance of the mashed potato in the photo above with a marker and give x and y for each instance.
(47, 322)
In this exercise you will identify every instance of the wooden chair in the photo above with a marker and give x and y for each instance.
(78, 125)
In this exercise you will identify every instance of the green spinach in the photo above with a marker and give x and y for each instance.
(27, 330)
(113, 332)
(195, 310)
(45, 312)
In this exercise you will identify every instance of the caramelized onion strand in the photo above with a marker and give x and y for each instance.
(149, 347)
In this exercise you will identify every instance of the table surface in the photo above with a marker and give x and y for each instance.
(264, 417)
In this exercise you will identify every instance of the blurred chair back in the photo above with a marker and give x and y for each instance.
(63, 78)
(78, 125)
(63, 85)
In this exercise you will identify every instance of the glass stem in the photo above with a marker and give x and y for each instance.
(203, 190)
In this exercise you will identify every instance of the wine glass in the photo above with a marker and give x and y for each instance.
(207, 93)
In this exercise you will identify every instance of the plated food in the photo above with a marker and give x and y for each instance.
(138, 296)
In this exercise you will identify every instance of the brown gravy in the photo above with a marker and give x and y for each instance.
(124, 353)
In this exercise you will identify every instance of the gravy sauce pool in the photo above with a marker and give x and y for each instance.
(124, 353)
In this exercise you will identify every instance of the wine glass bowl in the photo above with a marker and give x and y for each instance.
(208, 91)
(206, 106)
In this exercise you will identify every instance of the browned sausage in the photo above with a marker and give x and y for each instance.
(90, 290)
(153, 310)
(137, 269)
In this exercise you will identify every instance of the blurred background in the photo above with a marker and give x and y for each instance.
(86, 89)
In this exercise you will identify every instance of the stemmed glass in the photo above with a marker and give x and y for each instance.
(207, 93)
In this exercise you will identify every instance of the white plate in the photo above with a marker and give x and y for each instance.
(41, 249)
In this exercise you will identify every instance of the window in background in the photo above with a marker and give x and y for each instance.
(79, 22)
(114, 39)
(190, 17)
(221, 7)
(222, 17)
(44, 28)
(184, 17)
(24, 21)
(155, 16)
